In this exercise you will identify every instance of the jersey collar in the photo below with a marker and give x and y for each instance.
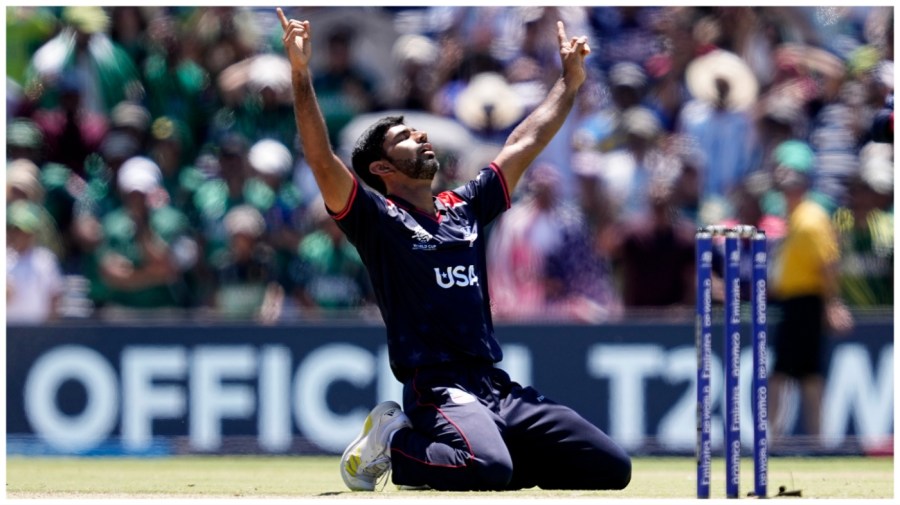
(408, 207)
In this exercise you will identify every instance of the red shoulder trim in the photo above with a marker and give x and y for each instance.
(346, 210)
(496, 168)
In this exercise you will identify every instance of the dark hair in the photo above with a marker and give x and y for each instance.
(370, 148)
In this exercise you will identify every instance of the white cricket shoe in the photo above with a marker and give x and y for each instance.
(368, 457)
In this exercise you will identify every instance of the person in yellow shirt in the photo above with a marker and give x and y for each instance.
(805, 282)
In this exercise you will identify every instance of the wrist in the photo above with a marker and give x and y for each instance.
(569, 85)
(300, 73)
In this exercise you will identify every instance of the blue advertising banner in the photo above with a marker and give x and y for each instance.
(151, 390)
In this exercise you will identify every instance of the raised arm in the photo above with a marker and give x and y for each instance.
(534, 133)
(333, 177)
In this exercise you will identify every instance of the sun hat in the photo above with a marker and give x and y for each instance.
(703, 72)
(488, 102)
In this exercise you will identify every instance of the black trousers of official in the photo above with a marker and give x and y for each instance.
(475, 429)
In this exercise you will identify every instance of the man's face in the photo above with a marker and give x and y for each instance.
(410, 153)
(19, 239)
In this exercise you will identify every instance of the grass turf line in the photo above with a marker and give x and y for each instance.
(315, 477)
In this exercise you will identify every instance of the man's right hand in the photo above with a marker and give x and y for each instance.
(296, 41)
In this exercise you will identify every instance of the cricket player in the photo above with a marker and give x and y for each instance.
(466, 425)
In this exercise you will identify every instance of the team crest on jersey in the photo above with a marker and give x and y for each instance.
(470, 234)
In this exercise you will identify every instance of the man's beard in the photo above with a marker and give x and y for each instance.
(419, 168)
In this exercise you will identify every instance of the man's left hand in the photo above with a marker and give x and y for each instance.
(572, 53)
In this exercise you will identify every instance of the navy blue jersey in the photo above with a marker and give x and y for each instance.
(429, 271)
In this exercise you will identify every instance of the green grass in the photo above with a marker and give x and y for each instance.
(312, 477)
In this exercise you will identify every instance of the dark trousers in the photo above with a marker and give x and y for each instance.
(475, 429)
(800, 337)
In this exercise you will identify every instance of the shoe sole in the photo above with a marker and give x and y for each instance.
(352, 482)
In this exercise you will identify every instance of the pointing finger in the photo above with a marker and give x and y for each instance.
(282, 18)
(561, 32)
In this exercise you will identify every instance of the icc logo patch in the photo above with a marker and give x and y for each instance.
(421, 235)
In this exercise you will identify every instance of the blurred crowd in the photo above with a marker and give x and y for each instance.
(154, 169)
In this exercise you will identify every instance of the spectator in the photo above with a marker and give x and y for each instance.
(104, 73)
(625, 33)
(256, 93)
(221, 192)
(271, 190)
(866, 235)
(343, 89)
(128, 29)
(753, 203)
(416, 80)
(540, 259)
(489, 106)
(22, 182)
(34, 284)
(827, 83)
(71, 131)
(602, 130)
(626, 172)
(805, 285)
(146, 247)
(780, 118)
(328, 273)
(132, 119)
(217, 37)
(176, 85)
(29, 27)
(173, 151)
(246, 278)
(23, 185)
(655, 253)
(99, 197)
(461, 59)
(723, 88)
(24, 140)
(690, 162)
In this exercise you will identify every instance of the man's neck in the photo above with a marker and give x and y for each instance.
(417, 193)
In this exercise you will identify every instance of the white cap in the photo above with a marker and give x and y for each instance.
(415, 48)
(270, 157)
(245, 219)
(139, 174)
(642, 122)
(879, 175)
(269, 71)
